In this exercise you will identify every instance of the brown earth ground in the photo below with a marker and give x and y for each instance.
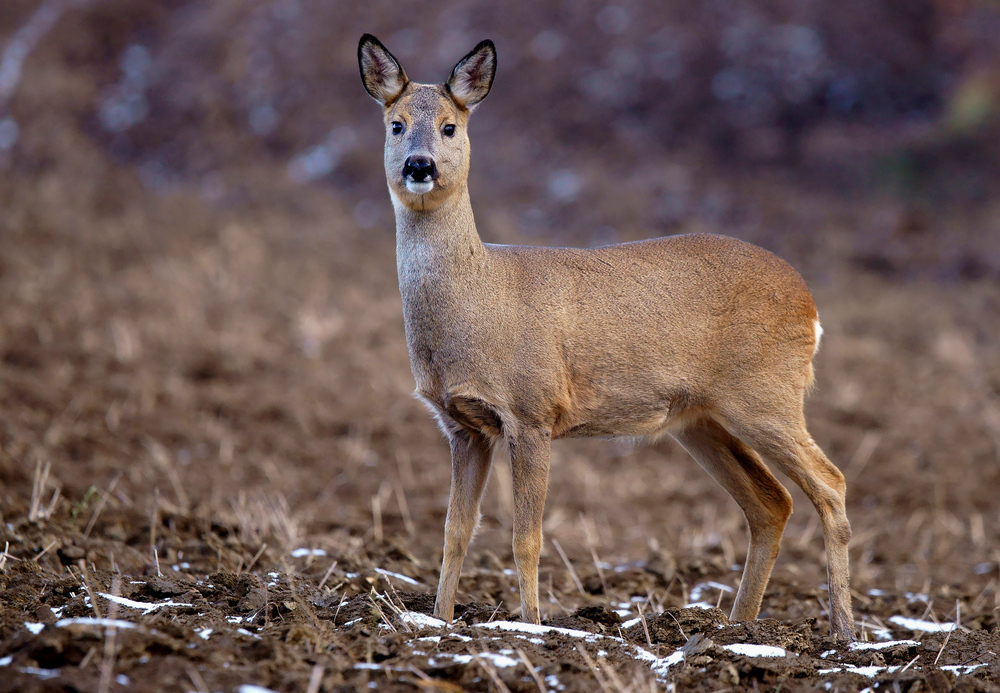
(207, 436)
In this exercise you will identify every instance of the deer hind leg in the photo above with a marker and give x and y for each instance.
(764, 501)
(471, 454)
(795, 454)
(529, 462)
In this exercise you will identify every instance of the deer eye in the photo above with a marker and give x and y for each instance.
(448, 130)
(397, 127)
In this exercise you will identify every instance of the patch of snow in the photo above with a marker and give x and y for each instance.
(699, 605)
(431, 638)
(181, 566)
(144, 607)
(5, 661)
(697, 590)
(35, 628)
(244, 631)
(623, 612)
(962, 669)
(351, 576)
(537, 629)
(250, 688)
(828, 653)
(457, 658)
(922, 626)
(917, 597)
(404, 578)
(379, 667)
(235, 619)
(463, 638)
(300, 553)
(204, 633)
(882, 634)
(90, 621)
(421, 620)
(631, 622)
(123, 680)
(870, 672)
(748, 650)
(498, 660)
(509, 571)
(41, 673)
(877, 593)
(659, 665)
(879, 645)
(552, 681)
(351, 622)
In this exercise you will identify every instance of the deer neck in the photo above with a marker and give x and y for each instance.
(440, 247)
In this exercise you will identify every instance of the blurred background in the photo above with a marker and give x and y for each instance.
(198, 303)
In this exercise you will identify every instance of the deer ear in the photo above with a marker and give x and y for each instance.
(381, 73)
(472, 77)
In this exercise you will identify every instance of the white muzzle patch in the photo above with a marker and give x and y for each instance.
(420, 188)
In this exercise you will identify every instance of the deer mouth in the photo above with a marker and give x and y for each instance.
(420, 187)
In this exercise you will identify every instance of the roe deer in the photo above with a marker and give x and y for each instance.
(704, 337)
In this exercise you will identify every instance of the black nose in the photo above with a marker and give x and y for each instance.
(420, 169)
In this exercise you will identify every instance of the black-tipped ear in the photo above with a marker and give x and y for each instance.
(472, 77)
(381, 73)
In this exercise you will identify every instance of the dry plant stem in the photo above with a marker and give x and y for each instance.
(394, 609)
(90, 591)
(645, 628)
(943, 645)
(199, 682)
(343, 598)
(593, 554)
(683, 634)
(377, 518)
(45, 550)
(86, 658)
(909, 664)
(41, 478)
(531, 670)
(315, 679)
(569, 567)
(490, 671)
(256, 557)
(404, 508)
(110, 633)
(593, 668)
(326, 576)
(434, 684)
(100, 505)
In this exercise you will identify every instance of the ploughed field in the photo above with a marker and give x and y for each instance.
(213, 476)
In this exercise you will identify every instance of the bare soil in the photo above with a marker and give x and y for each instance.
(213, 474)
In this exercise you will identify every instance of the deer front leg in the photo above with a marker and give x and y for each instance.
(470, 467)
(529, 461)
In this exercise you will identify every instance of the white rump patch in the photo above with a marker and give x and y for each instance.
(819, 334)
(420, 188)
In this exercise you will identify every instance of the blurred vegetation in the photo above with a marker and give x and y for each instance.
(662, 116)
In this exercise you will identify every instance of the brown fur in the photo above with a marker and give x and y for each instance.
(704, 337)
